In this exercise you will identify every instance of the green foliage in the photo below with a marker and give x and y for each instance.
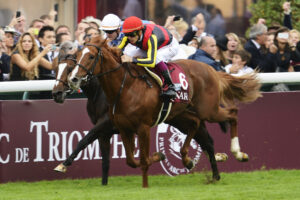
(272, 12)
(273, 184)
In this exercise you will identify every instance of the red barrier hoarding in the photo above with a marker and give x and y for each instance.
(35, 136)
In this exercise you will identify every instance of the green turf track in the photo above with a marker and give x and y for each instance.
(269, 185)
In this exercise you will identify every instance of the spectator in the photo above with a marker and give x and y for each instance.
(62, 37)
(207, 49)
(4, 58)
(285, 53)
(201, 8)
(132, 8)
(49, 19)
(91, 32)
(233, 44)
(34, 28)
(26, 58)
(19, 24)
(9, 39)
(63, 29)
(239, 63)
(79, 33)
(263, 61)
(221, 49)
(47, 37)
(196, 29)
(294, 40)
(270, 39)
(93, 22)
(216, 26)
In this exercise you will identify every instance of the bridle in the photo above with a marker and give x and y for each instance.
(90, 72)
(71, 57)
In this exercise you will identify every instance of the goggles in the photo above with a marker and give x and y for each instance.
(110, 31)
(132, 34)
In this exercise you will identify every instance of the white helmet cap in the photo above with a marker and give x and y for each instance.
(110, 22)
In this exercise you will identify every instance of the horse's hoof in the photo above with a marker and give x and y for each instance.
(245, 157)
(61, 168)
(242, 157)
(190, 165)
(216, 177)
(221, 157)
(159, 155)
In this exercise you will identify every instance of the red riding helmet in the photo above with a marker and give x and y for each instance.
(132, 24)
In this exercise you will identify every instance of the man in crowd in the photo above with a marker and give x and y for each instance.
(207, 48)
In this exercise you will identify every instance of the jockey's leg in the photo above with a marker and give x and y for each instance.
(170, 92)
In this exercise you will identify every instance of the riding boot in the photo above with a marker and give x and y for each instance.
(170, 92)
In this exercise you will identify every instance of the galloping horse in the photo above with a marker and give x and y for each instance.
(134, 105)
(97, 109)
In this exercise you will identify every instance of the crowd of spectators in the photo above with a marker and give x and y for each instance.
(28, 53)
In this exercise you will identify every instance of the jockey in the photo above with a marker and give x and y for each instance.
(111, 25)
(157, 42)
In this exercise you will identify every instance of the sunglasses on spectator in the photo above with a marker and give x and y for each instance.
(132, 34)
(110, 32)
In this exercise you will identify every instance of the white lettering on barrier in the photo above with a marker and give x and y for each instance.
(22, 155)
(39, 126)
(60, 145)
(7, 139)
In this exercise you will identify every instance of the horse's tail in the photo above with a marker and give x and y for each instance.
(243, 88)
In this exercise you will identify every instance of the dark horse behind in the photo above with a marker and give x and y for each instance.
(97, 109)
(134, 106)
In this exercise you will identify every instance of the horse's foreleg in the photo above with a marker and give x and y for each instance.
(104, 143)
(144, 141)
(128, 141)
(83, 143)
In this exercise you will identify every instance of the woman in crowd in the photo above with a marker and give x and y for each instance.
(294, 40)
(233, 44)
(285, 53)
(26, 58)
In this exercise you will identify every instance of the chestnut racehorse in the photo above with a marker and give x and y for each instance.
(134, 103)
(97, 109)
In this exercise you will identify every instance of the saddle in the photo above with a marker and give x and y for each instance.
(181, 86)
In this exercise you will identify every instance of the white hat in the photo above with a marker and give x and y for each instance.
(110, 22)
(92, 19)
(9, 29)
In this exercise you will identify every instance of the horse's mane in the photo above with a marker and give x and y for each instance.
(115, 52)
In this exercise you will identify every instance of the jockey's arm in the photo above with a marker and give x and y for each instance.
(149, 61)
(123, 43)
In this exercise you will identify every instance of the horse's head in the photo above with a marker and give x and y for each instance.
(88, 58)
(66, 62)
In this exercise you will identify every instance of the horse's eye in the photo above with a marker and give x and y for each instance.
(92, 57)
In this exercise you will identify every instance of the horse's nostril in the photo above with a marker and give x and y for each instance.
(74, 80)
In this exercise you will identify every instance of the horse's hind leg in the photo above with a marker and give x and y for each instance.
(230, 114)
(207, 144)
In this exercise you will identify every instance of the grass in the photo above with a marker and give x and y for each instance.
(273, 184)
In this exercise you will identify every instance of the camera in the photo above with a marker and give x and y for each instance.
(53, 47)
(18, 14)
(177, 18)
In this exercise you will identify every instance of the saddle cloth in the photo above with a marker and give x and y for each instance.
(181, 86)
(179, 79)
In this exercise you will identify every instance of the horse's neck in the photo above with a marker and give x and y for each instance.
(92, 89)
